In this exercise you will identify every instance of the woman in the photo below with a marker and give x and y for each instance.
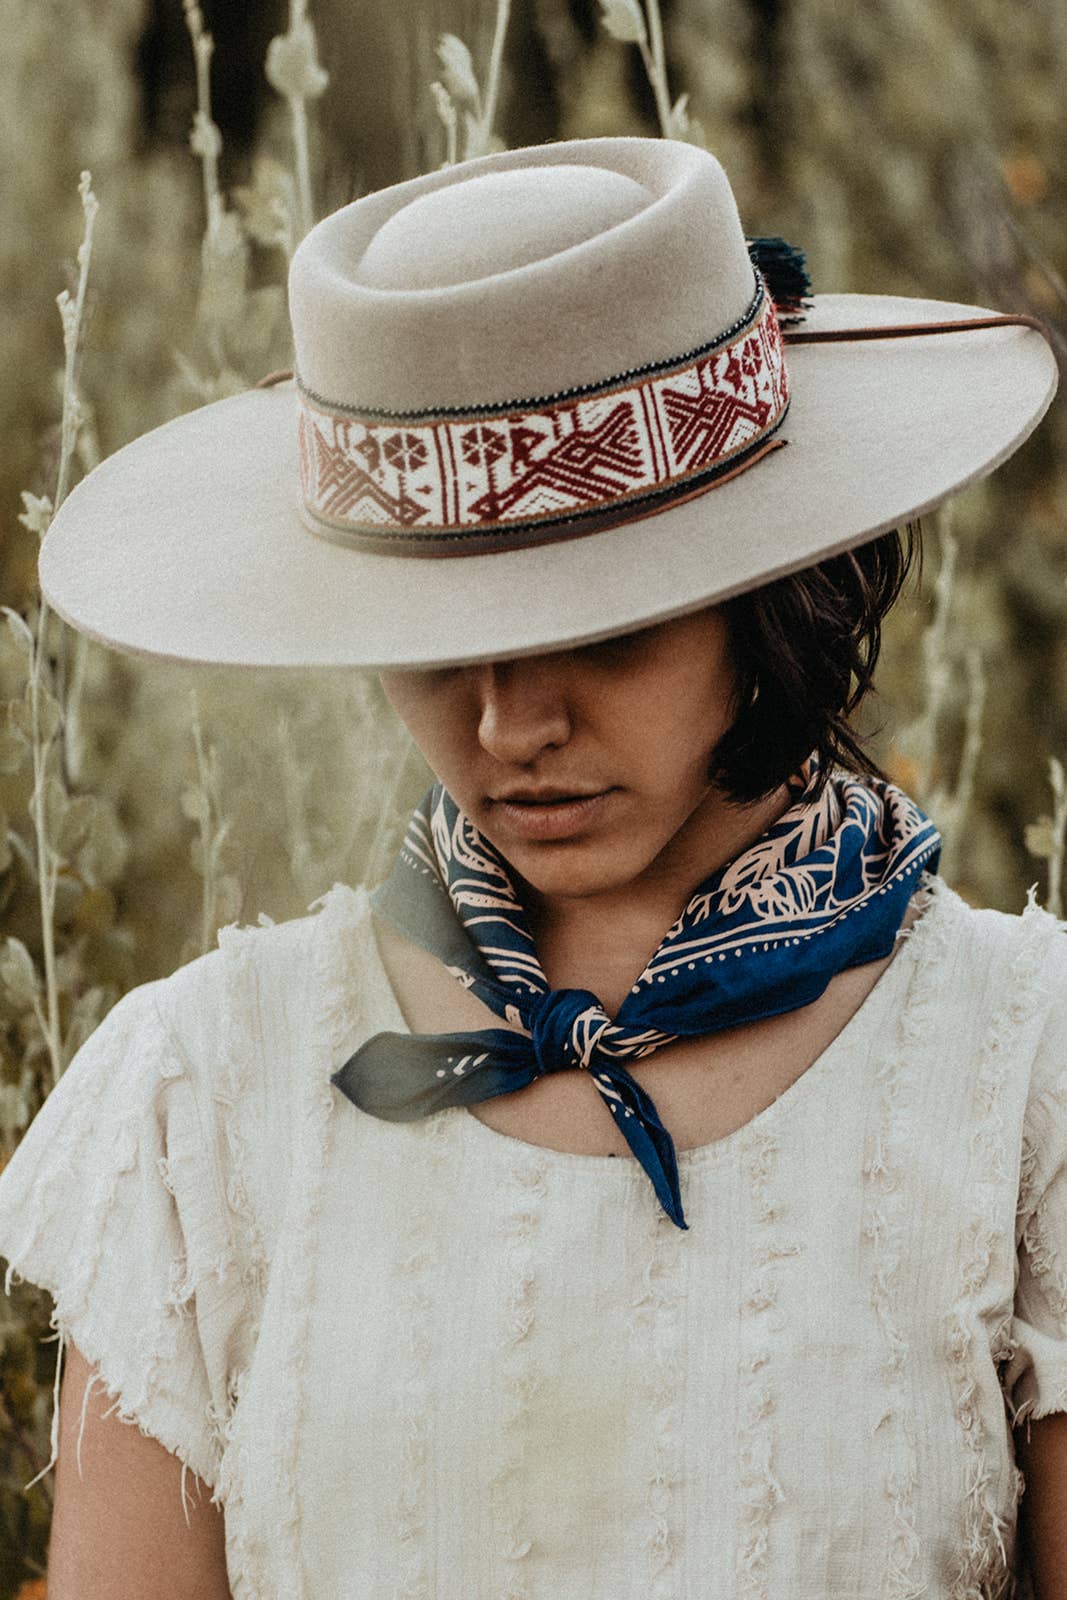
(658, 1188)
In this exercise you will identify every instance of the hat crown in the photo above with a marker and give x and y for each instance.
(519, 275)
(497, 222)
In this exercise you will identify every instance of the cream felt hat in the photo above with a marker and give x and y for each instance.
(540, 398)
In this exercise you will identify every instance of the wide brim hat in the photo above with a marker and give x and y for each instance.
(540, 398)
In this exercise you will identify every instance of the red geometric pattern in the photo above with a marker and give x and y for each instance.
(479, 471)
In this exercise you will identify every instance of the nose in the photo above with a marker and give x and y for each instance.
(522, 710)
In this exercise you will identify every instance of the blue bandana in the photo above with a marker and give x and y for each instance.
(825, 888)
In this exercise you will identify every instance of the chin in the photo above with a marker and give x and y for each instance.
(571, 871)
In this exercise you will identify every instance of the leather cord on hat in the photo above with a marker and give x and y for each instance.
(902, 330)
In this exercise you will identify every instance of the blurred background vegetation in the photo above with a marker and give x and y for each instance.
(914, 147)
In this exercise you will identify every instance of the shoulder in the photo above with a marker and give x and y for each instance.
(253, 1026)
(1000, 981)
(1024, 952)
(264, 980)
(989, 986)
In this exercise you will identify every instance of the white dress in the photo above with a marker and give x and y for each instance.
(430, 1361)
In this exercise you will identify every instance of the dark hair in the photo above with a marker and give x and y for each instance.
(798, 643)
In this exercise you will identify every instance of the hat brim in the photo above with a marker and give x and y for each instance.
(188, 544)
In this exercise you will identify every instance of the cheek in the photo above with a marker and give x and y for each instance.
(678, 748)
(685, 711)
(669, 736)
(436, 715)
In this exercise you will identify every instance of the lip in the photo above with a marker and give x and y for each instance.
(546, 796)
(549, 814)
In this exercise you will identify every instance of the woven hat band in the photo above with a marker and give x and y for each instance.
(500, 477)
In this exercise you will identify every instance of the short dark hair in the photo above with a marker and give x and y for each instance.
(798, 643)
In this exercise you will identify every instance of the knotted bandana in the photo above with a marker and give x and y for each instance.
(824, 888)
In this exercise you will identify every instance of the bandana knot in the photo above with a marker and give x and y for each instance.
(567, 1026)
(824, 888)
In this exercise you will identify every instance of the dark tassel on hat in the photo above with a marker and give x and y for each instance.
(785, 274)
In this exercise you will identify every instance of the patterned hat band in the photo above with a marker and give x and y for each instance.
(496, 477)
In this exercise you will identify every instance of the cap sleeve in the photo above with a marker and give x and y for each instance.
(111, 1202)
(1035, 1379)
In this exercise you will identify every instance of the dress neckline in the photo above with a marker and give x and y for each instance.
(892, 985)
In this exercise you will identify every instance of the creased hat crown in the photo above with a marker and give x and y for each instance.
(519, 275)
(496, 222)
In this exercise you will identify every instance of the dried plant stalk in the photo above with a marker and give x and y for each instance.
(1059, 837)
(628, 22)
(72, 314)
(206, 140)
(937, 668)
(951, 808)
(655, 59)
(1048, 837)
(202, 803)
(293, 69)
(461, 91)
(496, 59)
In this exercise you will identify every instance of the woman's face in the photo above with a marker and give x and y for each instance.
(584, 766)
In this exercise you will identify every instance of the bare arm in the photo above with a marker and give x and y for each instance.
(1043, 1513)
(118, 1528)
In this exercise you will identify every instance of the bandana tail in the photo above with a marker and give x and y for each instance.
(638, 1121)
(401, 1077)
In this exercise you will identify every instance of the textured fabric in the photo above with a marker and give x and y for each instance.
(408, 1369)
(824, 888)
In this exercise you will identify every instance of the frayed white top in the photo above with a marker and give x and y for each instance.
(436, 1362)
